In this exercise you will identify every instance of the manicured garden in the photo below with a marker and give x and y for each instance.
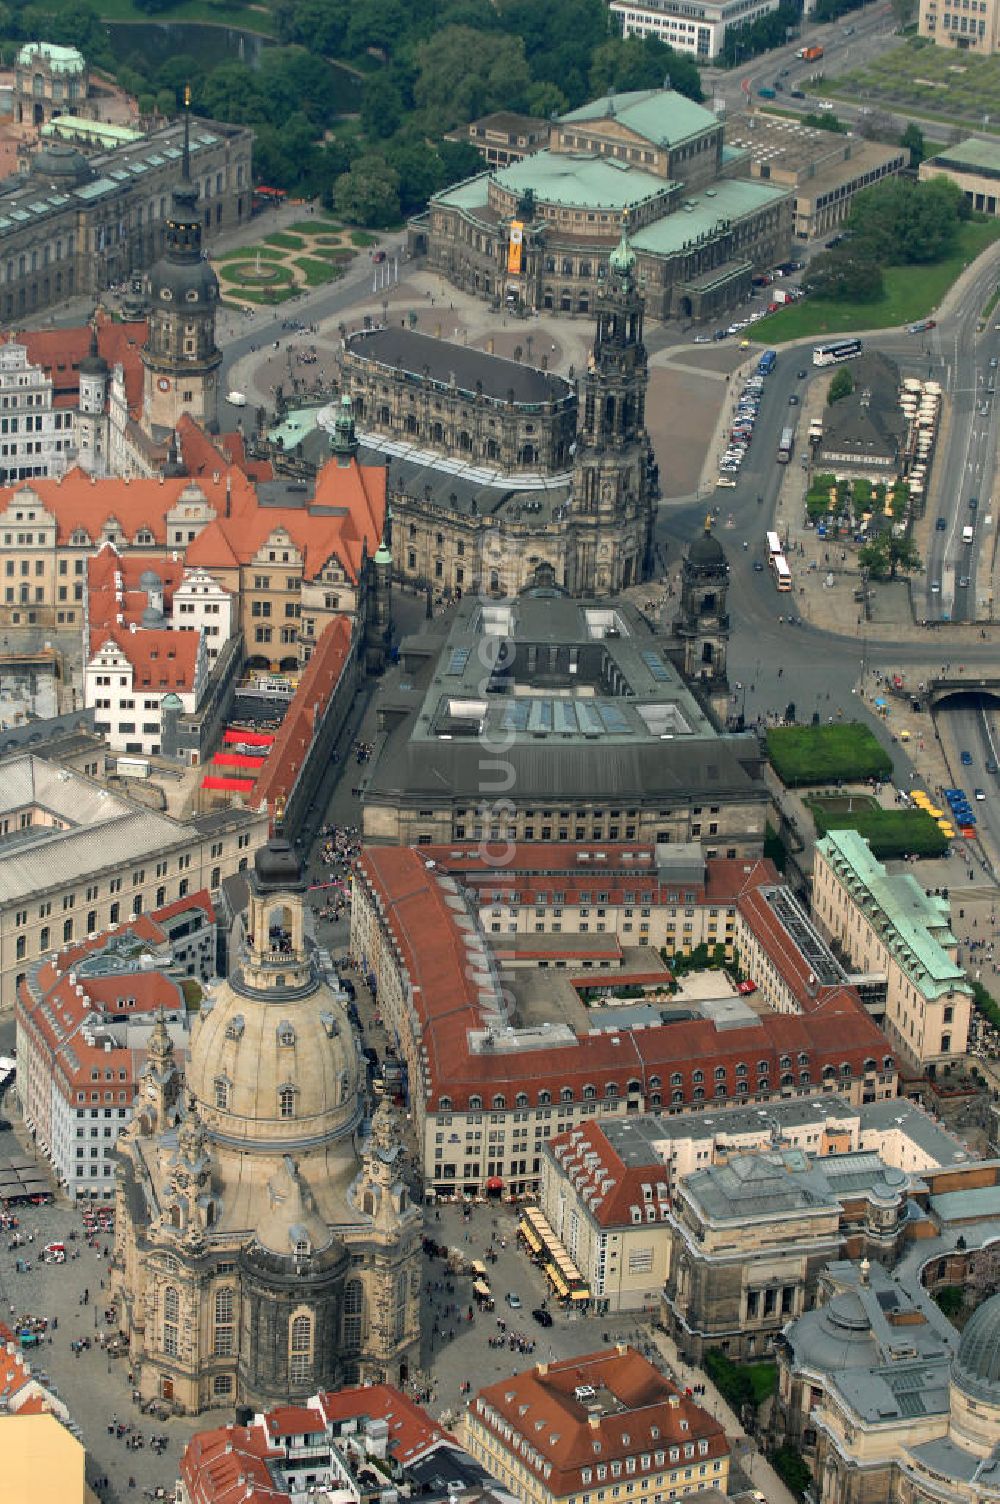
(911, 293)
(286, 262)
(842, 750)
(919, 79)
(892, 833)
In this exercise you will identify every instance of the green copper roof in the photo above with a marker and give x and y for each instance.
(622, 258)
(586, 181)
(59, 59)
(726, 199)
(971, 153)
(662, 116)
(919, 923)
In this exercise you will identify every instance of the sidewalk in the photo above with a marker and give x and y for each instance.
(745, 1449)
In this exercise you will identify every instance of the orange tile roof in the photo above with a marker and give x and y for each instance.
(640, 1413)
(202, 453)
(113, 587)
(319, 682)
(229, 1466)
(80, 502)
(161, 658)
(611, 1189)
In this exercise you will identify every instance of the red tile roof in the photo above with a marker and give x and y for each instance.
(161, 658)
(655, 1062)
(611, 1189)
(60, 351)
(113, 588)
(229, 1466)
(641, 1414)
(412, 1432)
(320, 678)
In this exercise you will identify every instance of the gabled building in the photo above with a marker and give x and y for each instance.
(865, 432)
(562, 1430)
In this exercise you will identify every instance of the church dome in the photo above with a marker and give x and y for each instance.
(273, 1071)
(706, 552)
(276, 866)
(191, 283)
(977, 1362)
(61, 165)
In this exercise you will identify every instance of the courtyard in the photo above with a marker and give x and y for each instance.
(288, 261)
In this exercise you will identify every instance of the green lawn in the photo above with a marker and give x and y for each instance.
(361, 239)
(821, 754)
(317, 272)
(319, 225)
(285, 241)
(764, 1378)
(273, 295)
(911, 292)
(249, 252)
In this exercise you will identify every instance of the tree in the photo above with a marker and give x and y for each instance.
(546, 99)
(848, 274)
(886, 556)
(381, 106)
(368, 194)
(901, 221)
(912, 140)
(459, 79)
(624, 63)
(841, 386)
(459, 159)
(420, 172)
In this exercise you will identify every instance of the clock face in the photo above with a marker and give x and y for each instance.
(163, 384)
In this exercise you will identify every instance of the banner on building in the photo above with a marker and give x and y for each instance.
(515, 248)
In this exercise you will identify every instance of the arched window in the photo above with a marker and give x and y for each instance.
(763, 1066)
(500, 1101)
(566, 1094)
(787, 1079)
(676, 1079)
(804, 1078)
(589, 1093)
(720, 1073)
(445, 1104)
(699, 1094)
(804, 1058)
(171, 1318)
(676, 1096)
(300, 1341)
(634, 1087)
(544, 1098)
(845, 1069)
(611, 1088)
(828, 1072)
(221, 1092)
(888, 1063)
(354, 1310)
(785, 1062)
(870, 1065)
(698, 1077)
(286, 1102)
(224, 1329)
(654, 1083)
(720, 1090)
(741, 1069)
(475, 1104)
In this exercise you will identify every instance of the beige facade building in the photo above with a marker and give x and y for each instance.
(605, 1194)
(505, 136)
(890, 927)
(571, 1429)
(258, 1255)
(823, 170)
(974, 165)
(963, 25)
(86, 859)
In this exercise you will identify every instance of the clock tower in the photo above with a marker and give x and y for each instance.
(180, 356)
(614, 477)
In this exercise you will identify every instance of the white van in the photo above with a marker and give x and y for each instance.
(967, 534)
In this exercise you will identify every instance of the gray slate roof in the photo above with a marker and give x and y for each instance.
(458, 365)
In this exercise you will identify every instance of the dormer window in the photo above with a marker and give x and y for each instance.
(235, 1027)
(286, 1102)
(221, 1093)
(302, 1248)
(286, 1034)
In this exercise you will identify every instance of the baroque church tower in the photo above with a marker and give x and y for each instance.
(614, 500)
(180, 356)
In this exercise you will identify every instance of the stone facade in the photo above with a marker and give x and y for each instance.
(49, 81)
(257, 1255)
(452, 400)
(108, 215)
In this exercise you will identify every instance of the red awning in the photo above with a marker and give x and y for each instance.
(494, 1183)
(230, 785)
(235, 734)
(238, 760)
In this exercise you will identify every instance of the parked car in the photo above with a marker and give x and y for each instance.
(980, 793)
(542, 1316)
(513, 1300)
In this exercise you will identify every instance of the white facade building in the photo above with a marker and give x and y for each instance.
(699, 28)
(135, 675)
(201, 604)
(35, 437)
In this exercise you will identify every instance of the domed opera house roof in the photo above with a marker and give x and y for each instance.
(253, 1172)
